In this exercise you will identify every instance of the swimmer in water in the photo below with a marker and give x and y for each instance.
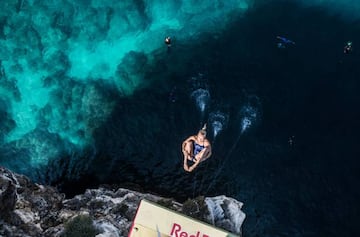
(168, 41)
(348, 47)
(283, 42)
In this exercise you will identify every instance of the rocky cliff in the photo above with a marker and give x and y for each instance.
(30, 209)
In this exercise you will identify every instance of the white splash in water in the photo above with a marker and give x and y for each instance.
(218, 121)
(217, 126)
(202, 98)
(249, 116)
(245, 124)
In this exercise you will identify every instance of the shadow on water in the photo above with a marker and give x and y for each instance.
(308, 92)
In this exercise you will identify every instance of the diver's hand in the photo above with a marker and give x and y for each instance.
(197, 157)
(189, 157)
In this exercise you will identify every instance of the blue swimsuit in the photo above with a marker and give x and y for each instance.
(197, 149)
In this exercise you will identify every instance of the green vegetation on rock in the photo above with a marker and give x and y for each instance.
(80, 226)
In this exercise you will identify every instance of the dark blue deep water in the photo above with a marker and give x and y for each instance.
(308, 92)
(295, 166)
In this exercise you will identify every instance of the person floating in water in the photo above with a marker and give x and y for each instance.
(283, 42)
(168, 41)
(196, 149)
(348, 47)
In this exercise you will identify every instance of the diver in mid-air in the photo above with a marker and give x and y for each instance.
(283, 42)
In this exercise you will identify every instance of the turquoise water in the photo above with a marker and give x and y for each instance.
(55, 56)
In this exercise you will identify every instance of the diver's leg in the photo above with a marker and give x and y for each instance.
(188, 150)
(203, 154)
(206, 155)
(200, 155)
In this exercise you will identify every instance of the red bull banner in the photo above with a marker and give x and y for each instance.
(152, 220)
